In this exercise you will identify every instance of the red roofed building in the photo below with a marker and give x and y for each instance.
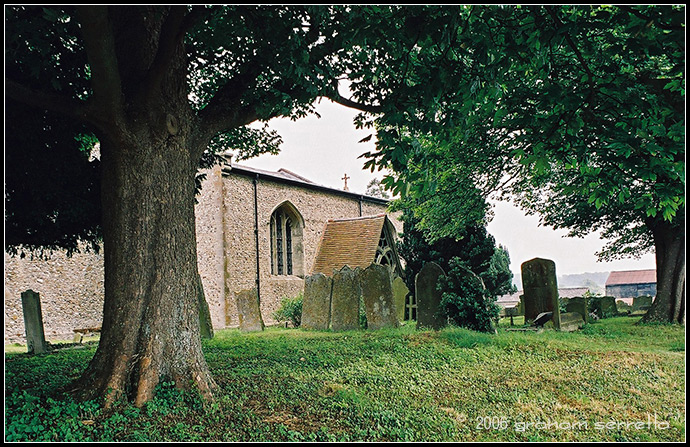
(357, 242)
(631, 283)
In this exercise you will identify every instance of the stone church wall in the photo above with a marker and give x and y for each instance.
(71, 289)
(315, 207)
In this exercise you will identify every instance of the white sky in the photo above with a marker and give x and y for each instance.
(324, 149)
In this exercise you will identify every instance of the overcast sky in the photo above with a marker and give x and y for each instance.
(325, 149)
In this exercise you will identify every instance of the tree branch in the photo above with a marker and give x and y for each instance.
(572, 45)
(335, 96)
(100, 50)
(48, 101)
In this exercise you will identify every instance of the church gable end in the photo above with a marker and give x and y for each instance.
(357, 242)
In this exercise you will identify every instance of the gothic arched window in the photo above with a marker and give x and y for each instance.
(286, 241)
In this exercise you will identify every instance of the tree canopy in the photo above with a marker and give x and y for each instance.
(574, 112)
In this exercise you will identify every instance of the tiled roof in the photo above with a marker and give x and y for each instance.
(632, 277)
(350, 242)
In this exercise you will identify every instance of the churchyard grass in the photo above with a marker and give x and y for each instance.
(611, 381)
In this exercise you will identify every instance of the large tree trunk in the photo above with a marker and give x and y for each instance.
(151, 325)
(669, 242)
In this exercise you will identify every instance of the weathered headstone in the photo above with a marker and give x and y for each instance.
(641, 305)
(428, 297)
(579, 304)
(400, 292)
(604, 306)
(571, 321)
(623, 308)
(316, 302)
(377, 292)
(345, 299)
(521, 305)
(33, 323)
(248, 311)
(540, 289)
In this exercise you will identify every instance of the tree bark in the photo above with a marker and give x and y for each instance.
(669, 242)
(149, 156)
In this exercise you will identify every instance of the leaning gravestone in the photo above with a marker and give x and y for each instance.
(248, 311)
(578, 304)
(400, 292)
(33, 323)
(641, 305)
(316, 302)
(377, 292)
(428, 297)
(345, 299)
(540, 289)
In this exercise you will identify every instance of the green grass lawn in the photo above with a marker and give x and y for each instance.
(611, 381)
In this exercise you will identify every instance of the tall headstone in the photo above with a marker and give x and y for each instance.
(377, 291)
(248, 311)
(345, 299)
(428, 297)
(540, 289)
(316, 302)
(33, 323)
(400, 292)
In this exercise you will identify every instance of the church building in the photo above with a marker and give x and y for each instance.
(256, 229)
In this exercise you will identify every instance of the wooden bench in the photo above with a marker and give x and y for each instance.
(79, 333)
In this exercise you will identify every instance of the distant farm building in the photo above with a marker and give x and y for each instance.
(631, 283)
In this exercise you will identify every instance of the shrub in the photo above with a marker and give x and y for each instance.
(465, 300)
(290, 310)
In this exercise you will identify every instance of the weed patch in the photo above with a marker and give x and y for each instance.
(612, 381)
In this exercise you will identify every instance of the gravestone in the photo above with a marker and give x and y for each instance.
(33, 323)
(571, 321)
(400, 292)
(622, 307)
(540, 289)
(641, 305)
(345, 299)
(248, 311)
(428, 297)
(521, 305)
(579, 304)
(316, 302)
(377, 292)
(604, 306)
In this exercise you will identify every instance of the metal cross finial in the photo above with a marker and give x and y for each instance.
(345, 188)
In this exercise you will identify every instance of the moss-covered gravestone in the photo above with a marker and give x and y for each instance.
(248, 311)
(400, 292)
(571, 321)
(345, 299)
(604, 306)
(316, 302)
(429, 297)
(579, 304)
(33, 323)
(623, 308)
(377, 292)
(641, 305)
(540, 289)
